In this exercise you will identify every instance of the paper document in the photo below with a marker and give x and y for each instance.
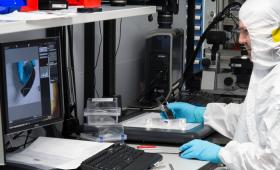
(142, 120)
(48, 153)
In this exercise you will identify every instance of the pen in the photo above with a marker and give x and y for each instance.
(146, 147)
(171, 167)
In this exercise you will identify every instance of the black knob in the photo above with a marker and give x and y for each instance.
(206, 62)
(228, 81)
(150, 18)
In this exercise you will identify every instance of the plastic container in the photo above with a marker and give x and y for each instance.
(166, 123)
(105, 133)
(102, 111)
(101, 120)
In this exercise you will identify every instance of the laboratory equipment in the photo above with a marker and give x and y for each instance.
(163, 62)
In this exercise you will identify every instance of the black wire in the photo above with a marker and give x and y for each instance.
(99, 49)
(70, 40)
(15, 137)
(100, 43)
(120, 36)
(97, 59)
(18, 135)
(26, 139)
(12, 149)
(26, 142)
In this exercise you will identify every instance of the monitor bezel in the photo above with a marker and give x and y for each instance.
(4, 95)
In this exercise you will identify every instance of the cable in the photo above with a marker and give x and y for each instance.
(13, 149)
(120, 36)
(99, 49)
(26, 142)
(71, 68)
(100, 43)
(27, 136)
(97, 59)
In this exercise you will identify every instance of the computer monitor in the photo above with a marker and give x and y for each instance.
(31, 84)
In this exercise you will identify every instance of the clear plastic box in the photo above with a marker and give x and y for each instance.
(106, 133)
(102, 106)
(166, 123)
(102, 111)
(102, 115)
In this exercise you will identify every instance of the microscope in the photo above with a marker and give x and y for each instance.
(165, 10)
(215, 77)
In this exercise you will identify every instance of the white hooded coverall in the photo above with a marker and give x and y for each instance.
(254, 125)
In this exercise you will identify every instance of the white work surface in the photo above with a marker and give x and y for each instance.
(12, 23)
(174, 159)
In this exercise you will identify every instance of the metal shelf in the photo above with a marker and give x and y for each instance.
(71, 17)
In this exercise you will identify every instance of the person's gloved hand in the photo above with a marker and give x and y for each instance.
(202, 150)
(192, 113)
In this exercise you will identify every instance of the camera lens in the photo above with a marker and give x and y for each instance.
(165, 19)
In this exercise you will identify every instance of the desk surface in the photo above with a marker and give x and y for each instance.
(170, 157)
(71, 17)
(177, 162)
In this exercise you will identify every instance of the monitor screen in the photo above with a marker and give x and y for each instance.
(32, 84)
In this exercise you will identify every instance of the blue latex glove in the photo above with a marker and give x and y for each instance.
(24, 70)
(202, 150)
(192, 113)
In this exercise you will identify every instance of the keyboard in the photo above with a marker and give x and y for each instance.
(121, 157)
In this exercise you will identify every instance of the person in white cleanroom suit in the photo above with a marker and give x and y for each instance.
(254, 125)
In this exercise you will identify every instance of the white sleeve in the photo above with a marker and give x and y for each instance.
(223, 117)
(247, 156)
